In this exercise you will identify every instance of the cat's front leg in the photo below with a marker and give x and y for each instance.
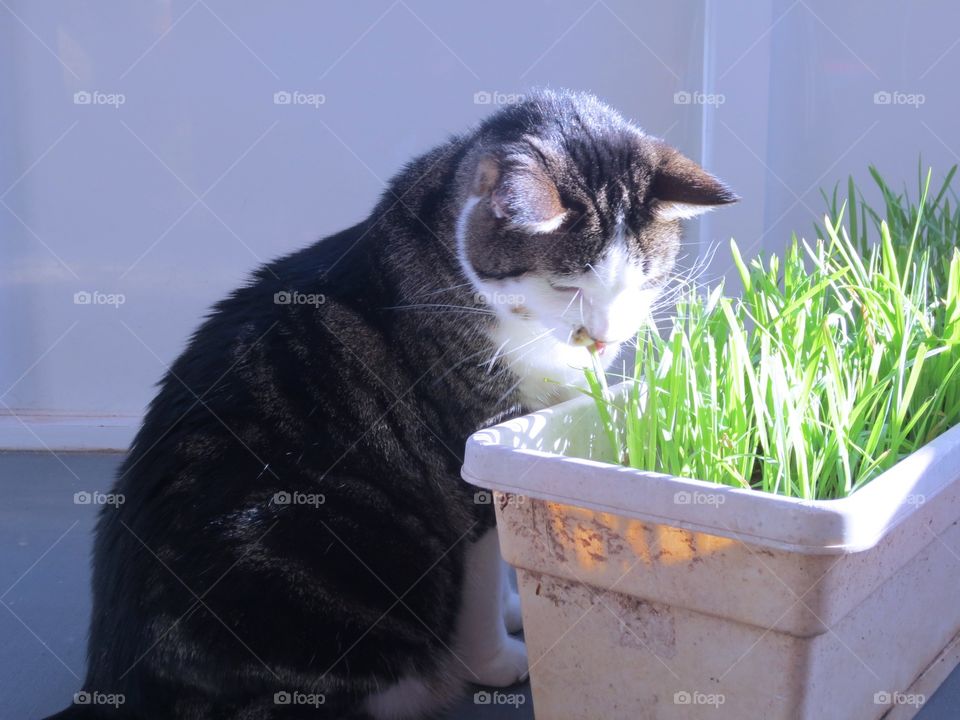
(510, 599)
(492, 656)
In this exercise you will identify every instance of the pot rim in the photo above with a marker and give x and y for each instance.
(500, 458)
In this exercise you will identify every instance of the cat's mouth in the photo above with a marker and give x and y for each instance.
(582, 338)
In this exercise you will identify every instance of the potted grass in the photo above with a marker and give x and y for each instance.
(762, 521)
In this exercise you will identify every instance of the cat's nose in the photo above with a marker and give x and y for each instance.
(599, 330)
(583, 337)
(580, 336)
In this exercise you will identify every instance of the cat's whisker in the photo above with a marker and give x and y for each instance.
(507, 368)
(575, 296)
(517, 360)
(442, 290)
(689, 279)
(569, 304)
(603, 281)
(439, 307)
(471, 356)
(477, 333)
(498, 354)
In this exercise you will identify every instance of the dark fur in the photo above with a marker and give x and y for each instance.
(209, 597)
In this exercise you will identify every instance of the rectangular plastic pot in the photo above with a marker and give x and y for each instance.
(650, 596)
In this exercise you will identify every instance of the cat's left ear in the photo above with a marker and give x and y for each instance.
(683, 189)
(520, 192)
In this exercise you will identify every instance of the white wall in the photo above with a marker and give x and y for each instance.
(800, 112)
(173, 197)
(100, 198)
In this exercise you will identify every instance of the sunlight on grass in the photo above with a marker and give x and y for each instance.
(837, 361)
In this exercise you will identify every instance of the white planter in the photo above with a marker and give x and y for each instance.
(650, 596)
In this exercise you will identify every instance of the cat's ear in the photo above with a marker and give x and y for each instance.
(520, 192)
(683, 189)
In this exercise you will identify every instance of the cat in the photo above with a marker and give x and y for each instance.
(295, 540)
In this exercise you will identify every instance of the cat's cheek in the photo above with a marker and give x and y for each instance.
(619, 319)
(528, 307)
(560, 311)
(508, 296)
(626, 315)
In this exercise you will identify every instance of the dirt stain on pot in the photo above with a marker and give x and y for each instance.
(638, 623)
(645, 625)
(591, 537)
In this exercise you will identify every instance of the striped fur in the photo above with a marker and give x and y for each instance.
(223, 579)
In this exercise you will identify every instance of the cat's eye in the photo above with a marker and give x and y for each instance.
(563, 288)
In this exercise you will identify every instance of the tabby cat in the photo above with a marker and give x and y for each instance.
(295, 539)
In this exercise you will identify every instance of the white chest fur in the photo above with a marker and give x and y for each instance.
(547, 369)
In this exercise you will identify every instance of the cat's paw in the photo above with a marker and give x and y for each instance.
(507, 667)
(512, 618)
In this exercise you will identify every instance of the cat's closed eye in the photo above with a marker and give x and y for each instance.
(560, 287)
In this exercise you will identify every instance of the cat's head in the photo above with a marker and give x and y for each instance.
(570, 216)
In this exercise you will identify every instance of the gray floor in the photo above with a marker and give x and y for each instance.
(44, 577)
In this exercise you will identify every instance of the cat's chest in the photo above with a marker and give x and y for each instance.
(545, 370)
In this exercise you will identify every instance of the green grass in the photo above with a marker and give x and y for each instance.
(838, 360)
